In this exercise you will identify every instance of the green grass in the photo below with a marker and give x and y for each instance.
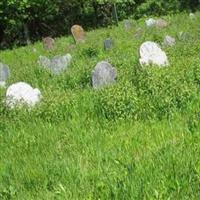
(138, 139)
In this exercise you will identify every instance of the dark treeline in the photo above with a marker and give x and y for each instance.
(30, 20)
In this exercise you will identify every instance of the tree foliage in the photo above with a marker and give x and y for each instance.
(55, 17)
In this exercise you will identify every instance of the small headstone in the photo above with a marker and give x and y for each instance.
(48, 43)
(161, 23)
(150, 22)
(108, 43)
(4, 74)
(138, 33)
(151, 53)
(103, 74)
(169, 41)
(192, 15)
(127, 25)
(57, 64)
(22, 93)
(78, 33)
(183, 36)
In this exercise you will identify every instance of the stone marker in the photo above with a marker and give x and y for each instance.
(151, 53)
(103, 74)
(57, 64)
(138, 33)
(192, 15)
(78, 33)
(150, 22)
(127, 25)
(161, 23)
(48, 43)
(108, 43)
(169, 41)
(22, 93)
(4, 74)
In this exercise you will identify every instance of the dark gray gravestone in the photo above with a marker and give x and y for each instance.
(108, 44)
(103, 74)
(4, 74)
(127, 25)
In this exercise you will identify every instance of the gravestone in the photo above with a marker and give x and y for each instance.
(108, 44)
(150, 22)
(48, 43)
(169, 41)
(4, 74)
(127, 25)
(57, 64)
(78, 33)
(138, 33)
(161, 23)
(103, 74)
(192, 16)
(151, 54)
(22, 93)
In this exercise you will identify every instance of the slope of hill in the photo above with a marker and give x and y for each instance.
(137, 139)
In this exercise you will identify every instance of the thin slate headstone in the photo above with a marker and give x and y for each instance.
(78, 33)
(169, 41)
(4, 74)
(103, 74)
(127, 25)
(48, 43)
(108, 44)
(152, 54)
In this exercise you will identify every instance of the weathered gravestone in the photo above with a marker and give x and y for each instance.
(48, 43)
(152, 54)
(103, 74)
(57, 64)
(192, 16)
(127, 25)
(78, 33)
(108, 44)
(169, 41)
(138, 33)
(150, 22)
(161, 23)
(22, 93)
(4, 74)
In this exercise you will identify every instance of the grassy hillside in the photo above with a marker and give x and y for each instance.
(138, 139)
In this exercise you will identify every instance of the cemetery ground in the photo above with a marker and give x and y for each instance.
(136, 139)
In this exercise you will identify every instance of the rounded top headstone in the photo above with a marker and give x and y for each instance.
(151, 53)
(48, 43)
(103, 74)
(22, 93)
(78, 33)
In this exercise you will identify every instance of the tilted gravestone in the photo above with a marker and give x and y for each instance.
(22, 93)
(169, 41)
(108, 44)
(103, 74)
(152, 54)
(48, 43)
(4, 74)
(78, 33)
(127, 25)
(57, 64)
